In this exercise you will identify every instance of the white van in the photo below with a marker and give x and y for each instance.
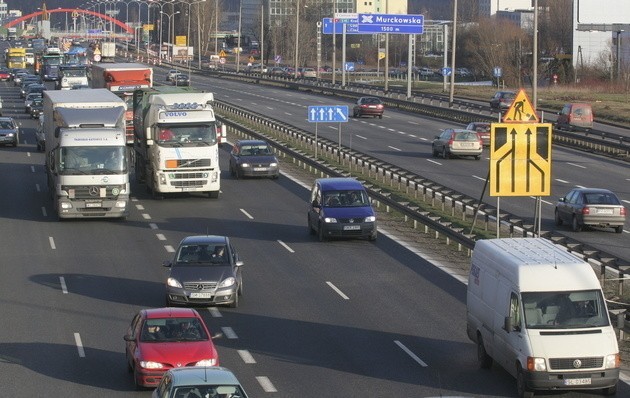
(539, 312)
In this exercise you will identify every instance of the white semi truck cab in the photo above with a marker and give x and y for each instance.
(86, 155)
(176, 141)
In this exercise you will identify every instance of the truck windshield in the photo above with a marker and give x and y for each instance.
(74, 73)
(92, 160)
(564, 310)
(186, 134)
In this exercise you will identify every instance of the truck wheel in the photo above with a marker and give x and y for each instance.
(213, 194)
(521, 387)
(484, 360)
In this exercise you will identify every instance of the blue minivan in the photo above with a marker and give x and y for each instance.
(341, 208)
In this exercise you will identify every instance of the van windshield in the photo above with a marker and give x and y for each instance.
(564, 310)
(351, 198)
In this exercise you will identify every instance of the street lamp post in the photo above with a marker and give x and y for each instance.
(188, 41)
(170, 25)
(297, 36)
(618, 51)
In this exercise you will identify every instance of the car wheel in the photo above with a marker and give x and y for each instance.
(483, 359)
(619, 229)
(444, 153)
(135, 381)
(234, 304)
(237, 173)
(557, 218)
(240, 289)
(575, 225)
(434, 152)
(521, 387)
(478, 157)
(380, 116)
(320, 233)
(311, 230)
(610, 390)
(373, 236)
(168, 302)
(231, 170)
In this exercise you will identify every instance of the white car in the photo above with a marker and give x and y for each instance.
(170, 76)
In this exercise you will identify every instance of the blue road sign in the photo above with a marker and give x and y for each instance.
(327, 27)
(391, 23)
(446, 71)
(349, 67)
(328, 113)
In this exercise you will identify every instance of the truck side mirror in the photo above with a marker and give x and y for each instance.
(57, 130)
(507, 324)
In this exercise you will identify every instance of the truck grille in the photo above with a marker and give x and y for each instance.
(188, 183)
(183, 163)
(93, 191)
(570, 363)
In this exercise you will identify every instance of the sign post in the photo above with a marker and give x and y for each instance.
(328, 114)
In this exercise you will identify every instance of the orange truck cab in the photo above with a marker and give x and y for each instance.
(575, 116)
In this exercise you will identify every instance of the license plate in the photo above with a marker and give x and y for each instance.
(351, 227)
(93, 204)
(372, 106)
(200, 295)
(260, 169)
(467, 144)
(604, 211)
(577, 382)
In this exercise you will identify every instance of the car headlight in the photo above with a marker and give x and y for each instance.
(330, 220)
(536, 364)
(273, 164)
(172, 282)
(612, 361)
(370, 219)
(244, 164)
(151, 365)
(227, 282)
(207, 362)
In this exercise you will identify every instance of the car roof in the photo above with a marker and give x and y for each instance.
(198, 375)
(593, 190)
(170, 312)
(6, 119)
(204, 239)
(251, 142)
(339, 183)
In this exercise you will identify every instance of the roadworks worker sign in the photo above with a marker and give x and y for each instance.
(521, 110)
(520, 159)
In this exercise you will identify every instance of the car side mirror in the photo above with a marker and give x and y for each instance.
(129, 337)
(239, 263)
(167, 264)
(316, 204)
(561, 200)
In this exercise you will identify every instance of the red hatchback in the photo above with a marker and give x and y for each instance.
(5, 75)
(164, 338)
(370, 106)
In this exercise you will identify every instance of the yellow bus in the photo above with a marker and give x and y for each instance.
(16, 58)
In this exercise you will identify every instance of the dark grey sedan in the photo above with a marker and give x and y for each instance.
(253, 158)
(206, 270)
(593, 207)
(9, 132)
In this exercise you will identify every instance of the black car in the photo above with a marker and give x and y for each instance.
(371, 106)
(37, 107)
(206, 270)
(181, 79)
(253, 158)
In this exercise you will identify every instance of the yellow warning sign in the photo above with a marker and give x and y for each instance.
(222, 54)
(521, 110)
(250, 59)
(520, 159)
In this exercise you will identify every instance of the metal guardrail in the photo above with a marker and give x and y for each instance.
(407, 182)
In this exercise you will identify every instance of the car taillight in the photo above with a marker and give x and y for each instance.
(379, 106)
(622, 211)
(586, 210)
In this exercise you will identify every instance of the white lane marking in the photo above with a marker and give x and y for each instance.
(414, 123)
(37, 188)
(360, 136)
(169, 248)
(77, 340)
(576, 165)
(214, 312)
(153, 225)
(139, 207)
(229, 333)
(52, 242)
(339, 292)
(433, 161)
(288, 113)
(64, 288)
(625, 201)
(246, 214)
(332, 127)
(580, 186)
(134, 199)
(32, 169)
(266, 384)
(160, 236)
(562, 181)
(411, 354)
(286, 246)
(44, 211)
(542, 201)
(424, 139)
(394, 148)
(479, 178)
(246, 356)
(28, 154)
(146, 216)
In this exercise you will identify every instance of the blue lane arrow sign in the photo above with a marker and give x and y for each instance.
(328, 113)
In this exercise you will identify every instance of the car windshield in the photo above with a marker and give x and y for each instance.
(211, 391)
(203, 254)
(6, 125)
(350, 198)
(172, 329)
(255, 150)
(371, 101)
(563, 310)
